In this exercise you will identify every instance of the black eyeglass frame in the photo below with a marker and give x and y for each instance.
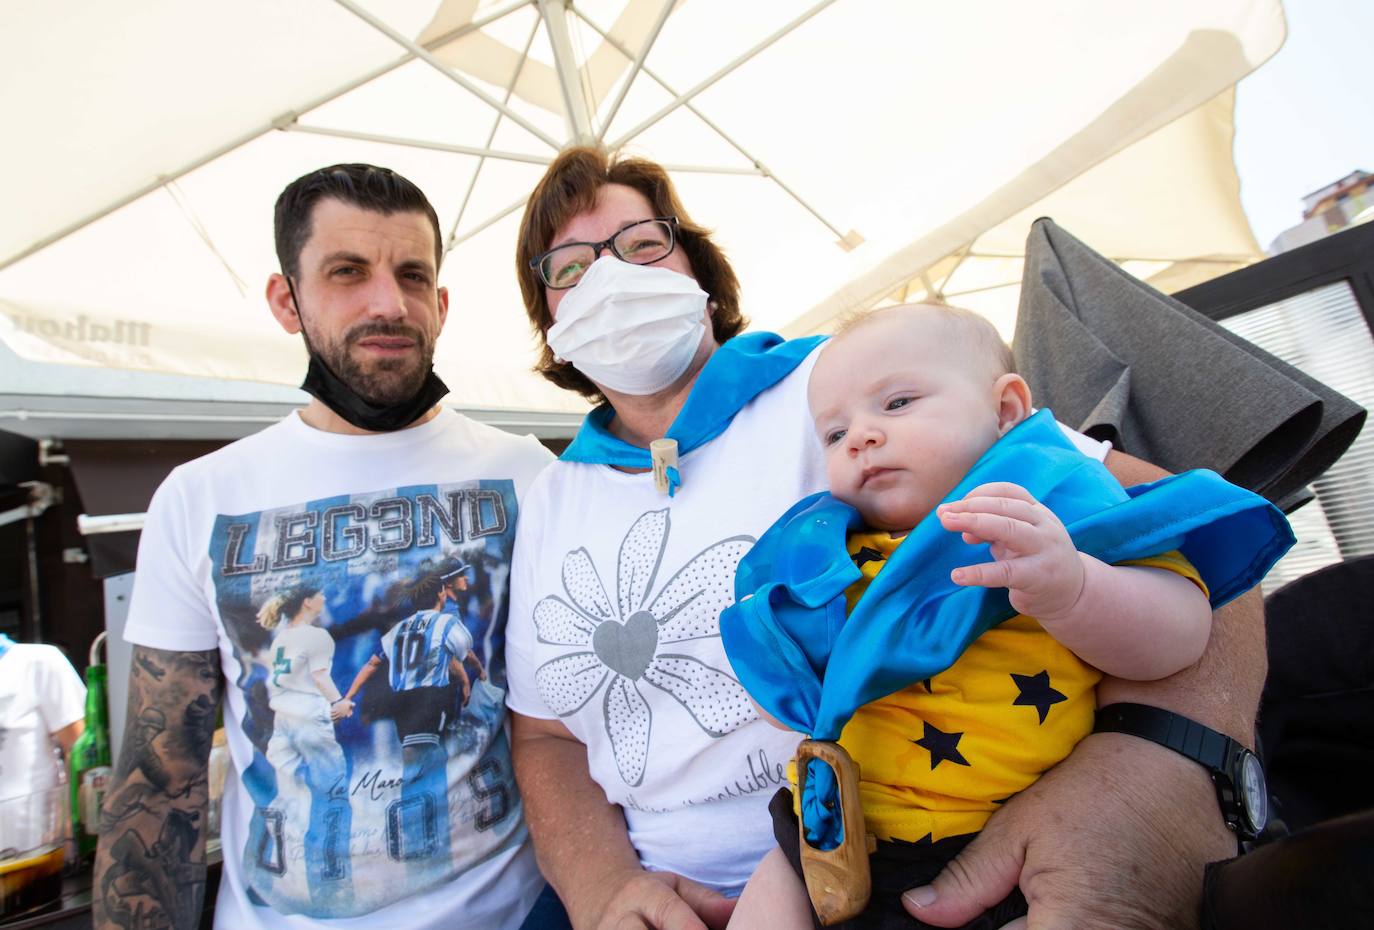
(537, 263)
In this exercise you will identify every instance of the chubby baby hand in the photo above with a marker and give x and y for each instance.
(1034, 557)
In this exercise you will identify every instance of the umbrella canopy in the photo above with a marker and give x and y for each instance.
(1166, 208)
(841, 149)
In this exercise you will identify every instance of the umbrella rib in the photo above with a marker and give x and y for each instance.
(490, 221)
(418, 143)
(198, 227)
(755, 171)
(491, 137)
(453, 35)
(241, 140)
(962, 253)
(429, 58)
(577, 113)
(685, 100)
(636, 66)
(723, 72)
(985, 288)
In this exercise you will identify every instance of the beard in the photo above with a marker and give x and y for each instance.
(383, 382)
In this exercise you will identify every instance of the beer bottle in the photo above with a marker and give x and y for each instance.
(90, 760)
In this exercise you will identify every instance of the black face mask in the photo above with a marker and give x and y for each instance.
(326, 387)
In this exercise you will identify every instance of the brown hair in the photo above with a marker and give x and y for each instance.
(570, 187)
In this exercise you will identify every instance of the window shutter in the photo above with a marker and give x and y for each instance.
(1324, 334)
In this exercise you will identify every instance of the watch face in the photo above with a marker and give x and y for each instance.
(1254, 795)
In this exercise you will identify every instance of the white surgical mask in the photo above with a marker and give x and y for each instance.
(630, 328)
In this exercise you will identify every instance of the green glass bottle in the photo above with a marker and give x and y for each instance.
(89, 766)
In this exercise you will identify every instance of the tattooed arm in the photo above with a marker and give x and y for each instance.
(150, 866)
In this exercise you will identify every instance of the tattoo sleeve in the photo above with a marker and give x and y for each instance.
(150, 865)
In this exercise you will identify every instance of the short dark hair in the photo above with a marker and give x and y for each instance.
(568, 188)
(368, 187)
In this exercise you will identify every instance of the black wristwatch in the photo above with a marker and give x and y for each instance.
(1236, 771)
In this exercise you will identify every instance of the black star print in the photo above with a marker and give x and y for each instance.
(926, 840)
(866, 555)
(1036, 692)
(943, 747)
(925, 683)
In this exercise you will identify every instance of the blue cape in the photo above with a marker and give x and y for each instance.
(811, 667)
(733, 376)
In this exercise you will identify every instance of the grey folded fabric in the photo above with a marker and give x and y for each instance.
(1121, 361)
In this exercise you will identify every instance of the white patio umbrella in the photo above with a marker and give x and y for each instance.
(1167, 208)
(840, 148)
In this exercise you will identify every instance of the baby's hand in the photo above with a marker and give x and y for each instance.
(1035, 559)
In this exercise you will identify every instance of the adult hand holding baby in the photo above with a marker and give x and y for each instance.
(1062, 840)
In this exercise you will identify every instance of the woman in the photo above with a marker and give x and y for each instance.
(305, 703)
(645, 773)
(302, 656)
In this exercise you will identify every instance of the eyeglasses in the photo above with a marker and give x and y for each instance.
(639, 243)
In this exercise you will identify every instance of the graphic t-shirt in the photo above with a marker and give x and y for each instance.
(336, 822)
(615, 631)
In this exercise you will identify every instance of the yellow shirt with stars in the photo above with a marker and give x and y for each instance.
(936, 758)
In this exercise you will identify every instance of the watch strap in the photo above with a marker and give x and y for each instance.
(1222, 756)
(1187, 737)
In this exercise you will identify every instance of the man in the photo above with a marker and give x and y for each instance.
(362, 489)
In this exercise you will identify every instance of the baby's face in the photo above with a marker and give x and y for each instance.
(903, 411)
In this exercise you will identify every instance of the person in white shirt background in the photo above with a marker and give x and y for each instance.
(42, 706)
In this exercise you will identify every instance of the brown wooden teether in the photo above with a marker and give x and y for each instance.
(837, 879)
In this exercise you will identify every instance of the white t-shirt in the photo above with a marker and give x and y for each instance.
(351, 832)
(40, 693)
(614, 630)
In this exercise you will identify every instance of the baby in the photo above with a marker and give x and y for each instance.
(905, 402)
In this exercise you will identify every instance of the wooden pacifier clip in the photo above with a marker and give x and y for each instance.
(838, 879)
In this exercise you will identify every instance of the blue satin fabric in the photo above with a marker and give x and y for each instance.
(734, 375)
(811, 667)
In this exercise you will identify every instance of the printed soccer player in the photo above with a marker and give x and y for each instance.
(305, 702)
(424, 649)
(456, 582)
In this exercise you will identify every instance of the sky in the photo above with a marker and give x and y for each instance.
(1305, 118)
